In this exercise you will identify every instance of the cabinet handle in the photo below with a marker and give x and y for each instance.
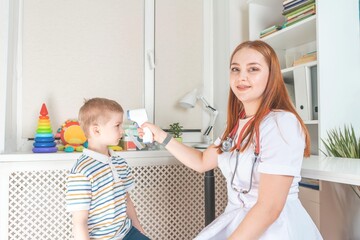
(150, 55)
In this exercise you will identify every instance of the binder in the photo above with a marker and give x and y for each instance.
(303, 97)
(314, 92)
(291, 91)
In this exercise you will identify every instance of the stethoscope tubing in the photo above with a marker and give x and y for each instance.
(251, 174)
(227, 145)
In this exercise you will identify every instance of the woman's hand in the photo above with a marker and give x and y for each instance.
(200, 161)
(158, 134)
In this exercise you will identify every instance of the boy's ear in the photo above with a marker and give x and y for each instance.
(94, 130)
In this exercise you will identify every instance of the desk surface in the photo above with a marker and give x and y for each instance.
(339, 170)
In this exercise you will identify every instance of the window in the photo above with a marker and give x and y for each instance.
(62, 52)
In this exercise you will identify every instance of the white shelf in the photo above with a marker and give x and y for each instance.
(308, 64)
(312, 122)
(288, 72)
(298, 34)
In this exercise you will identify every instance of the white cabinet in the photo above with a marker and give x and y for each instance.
(290, 43)
(334, 34)
(310, 199)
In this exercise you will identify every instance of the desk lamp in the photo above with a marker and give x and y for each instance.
(189, 101)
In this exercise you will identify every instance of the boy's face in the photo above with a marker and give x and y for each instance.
(111, 132)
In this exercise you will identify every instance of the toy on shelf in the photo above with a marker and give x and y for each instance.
(115, 148)
(72, 137)
(44, 138)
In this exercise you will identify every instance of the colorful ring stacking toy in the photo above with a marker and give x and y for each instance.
(44, 138)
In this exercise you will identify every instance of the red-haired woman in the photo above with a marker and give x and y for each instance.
(260, 153)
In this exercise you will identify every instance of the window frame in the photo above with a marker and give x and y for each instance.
(11, 78)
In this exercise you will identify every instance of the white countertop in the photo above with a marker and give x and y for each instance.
(61, 156)
(61, 159)
(339, 170)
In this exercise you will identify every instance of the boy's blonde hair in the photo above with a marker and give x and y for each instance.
(95, 111)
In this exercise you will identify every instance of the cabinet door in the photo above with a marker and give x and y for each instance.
(310, 199)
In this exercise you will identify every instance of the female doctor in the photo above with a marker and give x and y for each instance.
(260, 153)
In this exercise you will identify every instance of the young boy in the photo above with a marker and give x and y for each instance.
(98, 184)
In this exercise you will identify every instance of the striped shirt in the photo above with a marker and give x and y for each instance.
(99, 183)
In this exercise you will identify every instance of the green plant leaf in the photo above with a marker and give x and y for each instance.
(342, 143)
(176, 129)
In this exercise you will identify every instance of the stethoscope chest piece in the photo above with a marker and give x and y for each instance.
(226, 144)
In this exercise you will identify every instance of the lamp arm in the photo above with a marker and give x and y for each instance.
(213, 115)
(207, 105)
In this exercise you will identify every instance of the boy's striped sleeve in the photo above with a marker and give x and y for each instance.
(78, 192)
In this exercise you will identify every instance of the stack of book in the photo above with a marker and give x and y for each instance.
(297, 10)
(309, 57)
(269, 30)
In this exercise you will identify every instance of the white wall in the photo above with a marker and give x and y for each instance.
(77, 50)
(230, 29)
(4, 31)
(339, 54)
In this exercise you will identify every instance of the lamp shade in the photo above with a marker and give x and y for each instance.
(189, 100)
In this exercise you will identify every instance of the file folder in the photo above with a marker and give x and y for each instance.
(303, 95)
(291, 91)
(314, 92)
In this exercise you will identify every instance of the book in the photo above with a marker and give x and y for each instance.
(294, 4)
(299, 18)
(285, 2)
(309, 57)
(300, 10)
(291, 3)
(270, 30)
(288, 10)
(301, 15)
(268, 33)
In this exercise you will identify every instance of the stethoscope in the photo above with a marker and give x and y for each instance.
(227, 145)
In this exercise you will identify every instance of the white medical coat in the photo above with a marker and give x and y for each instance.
(281, 152)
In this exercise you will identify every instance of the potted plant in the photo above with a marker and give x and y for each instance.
(343, 144)
(176, 130)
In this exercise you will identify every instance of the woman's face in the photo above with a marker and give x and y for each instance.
(249, 74)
